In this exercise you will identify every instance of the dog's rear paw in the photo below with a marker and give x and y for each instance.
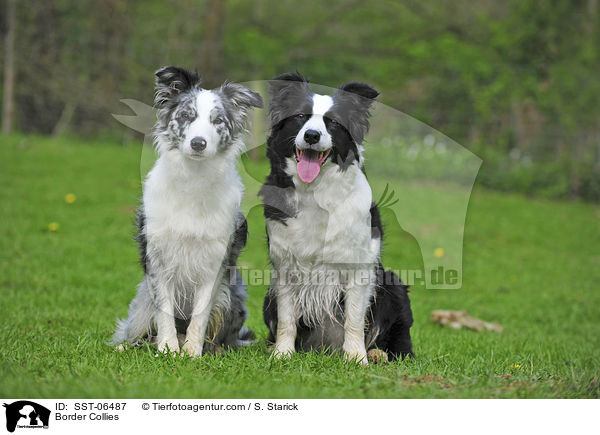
(377, 356)
(121, 347)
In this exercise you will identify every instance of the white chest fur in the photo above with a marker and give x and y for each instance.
(330, 237)
(190, 210)
(333, 224)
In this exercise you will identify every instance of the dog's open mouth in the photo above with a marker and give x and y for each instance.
(309, 163)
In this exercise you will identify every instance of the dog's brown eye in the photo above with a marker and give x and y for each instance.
(218, 121)
(186, 116)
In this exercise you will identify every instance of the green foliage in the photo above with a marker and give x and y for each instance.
(531, 265)
(517, 76)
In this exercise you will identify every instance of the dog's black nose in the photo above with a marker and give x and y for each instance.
(198, 143)
(312, 136)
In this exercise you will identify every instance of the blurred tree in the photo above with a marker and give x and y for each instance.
(211, 58)
(9, 68)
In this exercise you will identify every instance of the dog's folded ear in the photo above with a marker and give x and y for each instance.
(287, 90)
(237, 101)
(356, 98)
(241, 96)
(171, 81)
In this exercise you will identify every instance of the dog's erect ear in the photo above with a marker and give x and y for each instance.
(171, 81)
(237, 101)
(355, 99)
(241, 96)
(282, 81)
(291, 77)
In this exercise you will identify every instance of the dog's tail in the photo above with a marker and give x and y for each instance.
(139, 321)
(246, 337)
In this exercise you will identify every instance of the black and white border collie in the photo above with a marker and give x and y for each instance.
(190, 227)
(330, 290)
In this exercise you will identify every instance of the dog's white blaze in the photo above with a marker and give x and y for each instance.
(321, 104)
(206, 101)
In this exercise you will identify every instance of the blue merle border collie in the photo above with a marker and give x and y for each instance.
(190, 227)
(330, 290)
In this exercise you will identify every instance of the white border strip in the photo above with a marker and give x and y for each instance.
(163, 416)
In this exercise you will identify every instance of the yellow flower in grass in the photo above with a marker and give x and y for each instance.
(438, 252)
(70, 198)
(53, 226)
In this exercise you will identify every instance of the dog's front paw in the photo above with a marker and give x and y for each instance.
(357, 355)
(192, 349)
(169, 345)
(282, 352)
(358, 358)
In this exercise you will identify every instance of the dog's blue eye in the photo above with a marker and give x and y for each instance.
(300, 116)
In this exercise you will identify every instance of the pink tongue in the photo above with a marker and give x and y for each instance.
(308, 169)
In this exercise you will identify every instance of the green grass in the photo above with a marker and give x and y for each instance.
(532, 265)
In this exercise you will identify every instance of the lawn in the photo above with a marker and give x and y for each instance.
(532, 265)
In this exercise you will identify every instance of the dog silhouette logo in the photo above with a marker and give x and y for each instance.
(26, 414)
